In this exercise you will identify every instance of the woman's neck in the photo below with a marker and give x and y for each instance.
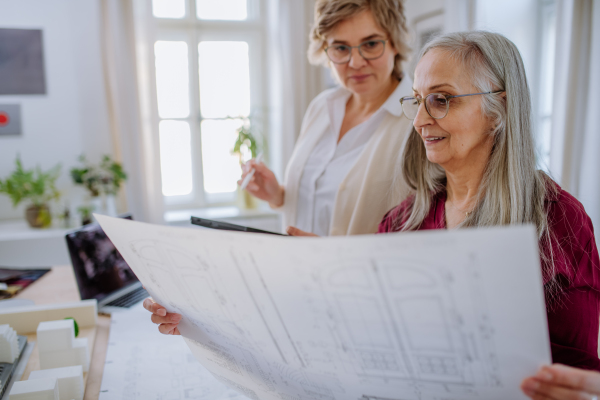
(462, 187)
(367, 104)
(464, 177)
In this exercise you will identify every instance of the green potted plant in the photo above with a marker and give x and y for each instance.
(35, 186)
(102, 182)
(246, 145)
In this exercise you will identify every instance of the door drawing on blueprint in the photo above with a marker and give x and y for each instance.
(402, 323)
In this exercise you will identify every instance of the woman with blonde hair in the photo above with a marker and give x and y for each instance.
(470, 162)
(338, 179)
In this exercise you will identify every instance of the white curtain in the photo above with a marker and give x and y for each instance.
(293, 82)
(133, 131)
(575, 145)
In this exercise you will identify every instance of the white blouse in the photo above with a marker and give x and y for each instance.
(330, 161)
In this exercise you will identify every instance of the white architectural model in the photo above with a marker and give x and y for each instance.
(38, 389)
(9, 345)
(58, 347)
(70, 381)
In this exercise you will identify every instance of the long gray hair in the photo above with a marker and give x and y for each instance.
(512, 191)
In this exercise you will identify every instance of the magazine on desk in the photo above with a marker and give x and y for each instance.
(425, 315)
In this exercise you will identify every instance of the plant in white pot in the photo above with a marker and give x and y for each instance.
(102, 181)
(34, 186)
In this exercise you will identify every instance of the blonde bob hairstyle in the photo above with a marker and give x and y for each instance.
(388, 14)
(513, 191)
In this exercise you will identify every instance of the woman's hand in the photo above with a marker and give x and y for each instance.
(559, 382)
(167, 322)
(293, 231)
(263, 184)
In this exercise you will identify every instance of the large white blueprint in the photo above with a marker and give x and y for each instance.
(438, 315)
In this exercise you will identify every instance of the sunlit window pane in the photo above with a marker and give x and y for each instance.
(168, 8)
(224, 79)
(222, 9)
(175, 158)
(172, 80)
(221, 168)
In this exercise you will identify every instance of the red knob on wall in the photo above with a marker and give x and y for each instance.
(4, 120)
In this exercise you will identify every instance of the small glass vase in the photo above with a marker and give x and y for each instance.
(245, 200)
(105, 204)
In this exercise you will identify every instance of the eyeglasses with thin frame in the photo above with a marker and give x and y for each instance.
(436, 104)
(369, 50)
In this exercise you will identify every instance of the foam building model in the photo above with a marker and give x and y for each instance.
(9, 344)
(70, 381)
(37, 389)
(58, 347)
(54, 384)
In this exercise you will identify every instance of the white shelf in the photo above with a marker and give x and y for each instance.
(231, 212)
(20, 230)
(260, 218)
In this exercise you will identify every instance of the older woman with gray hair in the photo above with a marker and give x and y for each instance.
(338, 179)
(470, 162)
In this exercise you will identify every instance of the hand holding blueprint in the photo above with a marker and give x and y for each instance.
(427, 315)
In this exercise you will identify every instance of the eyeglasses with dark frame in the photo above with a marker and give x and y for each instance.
(436, 104)
(369, 50)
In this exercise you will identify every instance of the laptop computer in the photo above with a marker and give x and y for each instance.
(101, 272)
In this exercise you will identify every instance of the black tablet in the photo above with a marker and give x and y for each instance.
(226, 226)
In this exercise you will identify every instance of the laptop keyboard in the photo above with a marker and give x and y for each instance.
(130, 298)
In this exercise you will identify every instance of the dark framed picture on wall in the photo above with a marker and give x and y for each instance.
(22, 62)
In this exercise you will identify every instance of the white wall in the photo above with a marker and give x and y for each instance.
(71, 118)
(417, 8)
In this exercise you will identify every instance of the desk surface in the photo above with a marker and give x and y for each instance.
(59, 286)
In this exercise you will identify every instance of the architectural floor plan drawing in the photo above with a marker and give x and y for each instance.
(418, 316)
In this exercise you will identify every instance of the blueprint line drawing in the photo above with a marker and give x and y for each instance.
(278, 313)
(258, 309)
(420, 316)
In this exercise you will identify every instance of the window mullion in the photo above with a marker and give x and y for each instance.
(192, 9)
(195, 118)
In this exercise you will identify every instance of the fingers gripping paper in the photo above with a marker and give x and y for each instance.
(426, 315)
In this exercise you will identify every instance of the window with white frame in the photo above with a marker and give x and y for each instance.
(208, 56)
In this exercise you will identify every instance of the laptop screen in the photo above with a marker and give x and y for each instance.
(99, 268)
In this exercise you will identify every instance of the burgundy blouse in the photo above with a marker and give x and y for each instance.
(573, 313)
